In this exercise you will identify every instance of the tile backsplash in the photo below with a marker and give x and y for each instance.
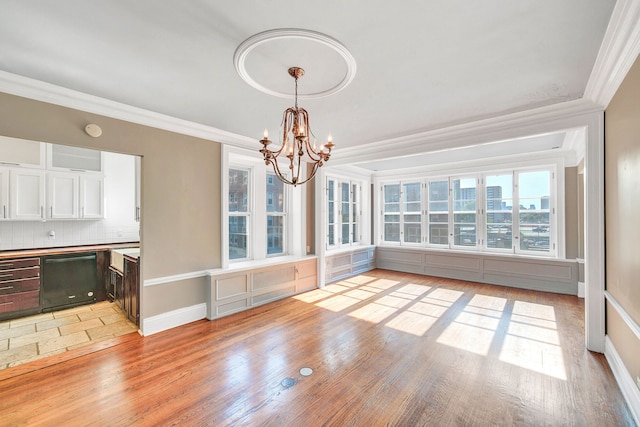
(34, 234)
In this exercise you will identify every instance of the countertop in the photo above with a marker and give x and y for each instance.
(22, 253)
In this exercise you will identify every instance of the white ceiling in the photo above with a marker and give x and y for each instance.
(421, 65)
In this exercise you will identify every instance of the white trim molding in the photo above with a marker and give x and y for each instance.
(628, 387)
(174, 278)
(40, 91)
(632, 324)
(619, 50)
(172, 319)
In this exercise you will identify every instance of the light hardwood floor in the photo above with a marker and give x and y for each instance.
(385, 348)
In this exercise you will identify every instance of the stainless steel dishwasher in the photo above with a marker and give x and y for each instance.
(69, 280)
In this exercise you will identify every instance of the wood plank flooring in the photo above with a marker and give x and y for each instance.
(386, 348)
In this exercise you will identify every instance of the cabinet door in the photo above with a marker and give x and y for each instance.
(4, 194)
(62, 195)
(74, 158)
(26, 194)
(91, 196)
(138, 169)
(21, 152)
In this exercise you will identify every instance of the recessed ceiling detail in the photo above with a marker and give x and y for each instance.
(262, 61)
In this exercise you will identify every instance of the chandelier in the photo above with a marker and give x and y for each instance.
(295, 143)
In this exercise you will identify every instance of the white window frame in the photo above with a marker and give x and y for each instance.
(294, 234)
(337, 212)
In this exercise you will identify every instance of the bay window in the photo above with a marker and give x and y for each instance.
(508, 212)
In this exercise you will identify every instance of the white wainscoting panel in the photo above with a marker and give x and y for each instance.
(231, 291)
(543, 274)
(343, 264)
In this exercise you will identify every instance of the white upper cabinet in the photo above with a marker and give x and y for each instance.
(62, 195)
(75, 195)
(91, 196)
(22, 152)
(62, 157)
(26, 194)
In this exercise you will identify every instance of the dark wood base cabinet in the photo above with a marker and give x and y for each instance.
(124, 288)
(19, 287)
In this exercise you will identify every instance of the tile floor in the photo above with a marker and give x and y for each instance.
(35, 337)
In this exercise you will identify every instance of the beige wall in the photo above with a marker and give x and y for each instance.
(622, 211)
(180, 227)
(571, 212)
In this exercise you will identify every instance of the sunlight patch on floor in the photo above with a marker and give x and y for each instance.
(532, 341)
(338, 303)
(373, 312)
(474, 328)
(313, 296)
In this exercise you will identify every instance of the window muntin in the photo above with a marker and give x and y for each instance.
(275, 215)
(464, 212)
(499, 211)
(345, 212)
(239, 213)
(534, 195)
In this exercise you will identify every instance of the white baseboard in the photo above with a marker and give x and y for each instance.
(581, 291)
(626, 383)
(172, 319)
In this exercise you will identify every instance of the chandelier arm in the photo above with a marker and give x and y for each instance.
(276, 169)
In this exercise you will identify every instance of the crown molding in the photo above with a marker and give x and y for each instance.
(619, 50)
(552, 118)
(25, 87)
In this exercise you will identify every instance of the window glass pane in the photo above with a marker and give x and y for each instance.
(439, 212)
(237, 237)
(275, 234)
(464, 235)
(439, 234)
(534, 191)
(238, 190)
(275, 194)
(392, 232)
(345, 233)
(498, 205)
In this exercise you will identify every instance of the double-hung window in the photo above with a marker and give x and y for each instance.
(499, 211)
(239, 213)
(438, 212)
(344, 214)
(534, 212)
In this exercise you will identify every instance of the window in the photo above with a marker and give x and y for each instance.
(499, 211)
(464, 212)
(239, 213)
(438, 217)
(534, 189)
(509, 212)
(391, 208)
(343, 212)
(275, 215)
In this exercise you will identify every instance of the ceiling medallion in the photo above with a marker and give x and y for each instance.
(245, 48)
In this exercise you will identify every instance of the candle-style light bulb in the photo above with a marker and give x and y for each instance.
(266, 133)
(330, 138)
(314, 144)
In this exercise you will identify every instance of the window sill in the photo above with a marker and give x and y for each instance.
(249, 265)
(346, 249)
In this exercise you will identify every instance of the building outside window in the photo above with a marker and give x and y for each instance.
(276, 215)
